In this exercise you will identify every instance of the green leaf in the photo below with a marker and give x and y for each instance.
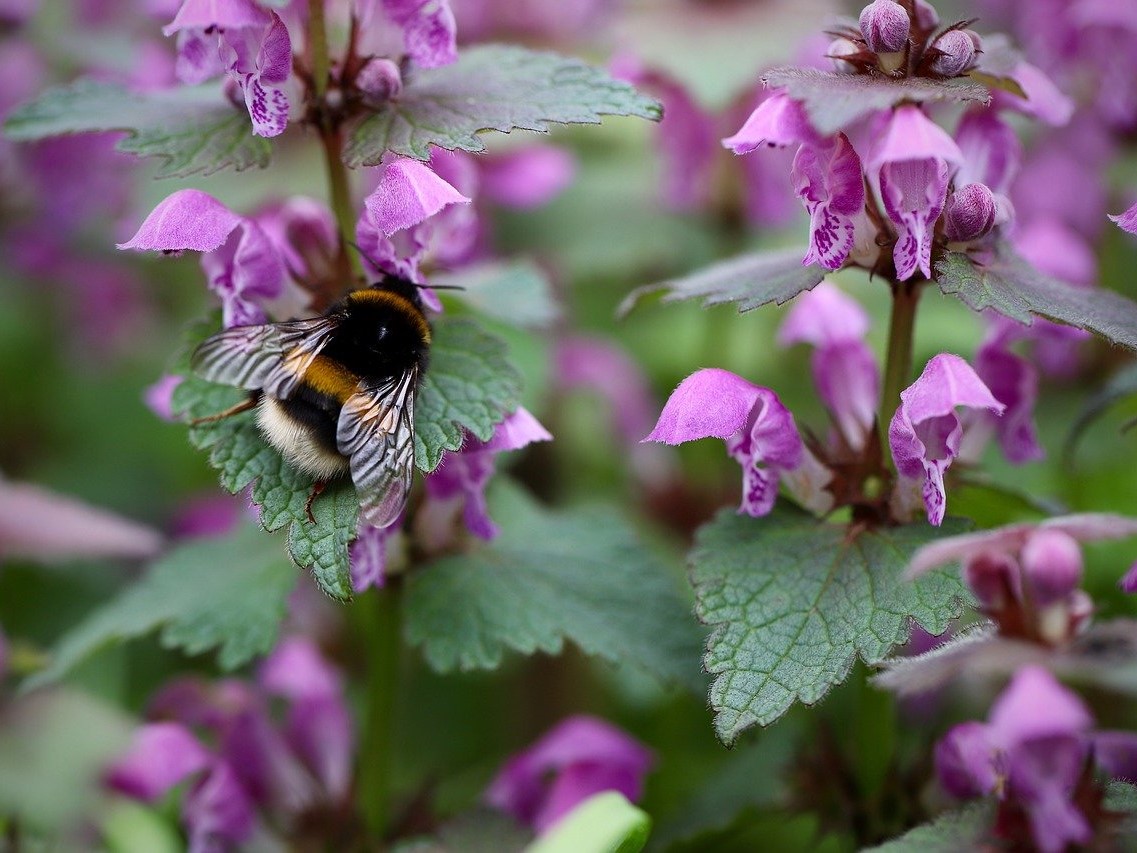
(794, 601)
(949, 833)
(491, 87)
(580, 575)
(516, 292)
(750, 280)
(604, 823)
(228, 594)
(54, 748)
(470, 385)
(1012, 287)
(192, 129)
(834, 101)
(480, 831)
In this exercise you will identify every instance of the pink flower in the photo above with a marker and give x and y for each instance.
(241, 263)
(580, 757)
(925, 432)
(759, 431)
(428, 27)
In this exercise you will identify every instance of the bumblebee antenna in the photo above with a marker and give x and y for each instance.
(377, 266)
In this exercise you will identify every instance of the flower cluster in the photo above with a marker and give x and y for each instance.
(936, 191)
(1037, 754)
(926, 434)
(259, 775)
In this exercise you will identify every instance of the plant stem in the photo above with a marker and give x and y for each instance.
(898, 362)
(380, 619)
(331, 135)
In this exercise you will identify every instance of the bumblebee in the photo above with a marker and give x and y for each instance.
(336, 393)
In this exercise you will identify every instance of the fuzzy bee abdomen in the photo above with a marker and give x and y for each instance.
(305, 435)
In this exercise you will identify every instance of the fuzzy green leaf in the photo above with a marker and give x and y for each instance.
(949, 833)
(1012, 287)
(228, 594)
(750, 280)
(470, 385)
(580, 575)
(794, 601)
(192, 129)
(834, 100)
(491, 87)
(602, 823)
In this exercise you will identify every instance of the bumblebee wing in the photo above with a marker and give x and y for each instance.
(376, 432)
(272, 357)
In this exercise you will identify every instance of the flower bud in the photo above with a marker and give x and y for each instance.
(379, 81)
(842, 47)
(994, 578)
(956, 52)
(969, 213)
(885, 24)
(926, 15)
(1052, 566)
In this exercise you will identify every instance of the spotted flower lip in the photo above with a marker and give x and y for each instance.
(925, 432)
(759, 431)
(580, 757)
(911, 163)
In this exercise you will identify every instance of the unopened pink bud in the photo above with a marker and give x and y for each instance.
(957, 52)
(379, 81)
(969, 213)
(1052, 565)
(885, 25)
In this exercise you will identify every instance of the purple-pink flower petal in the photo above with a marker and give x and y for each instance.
(186, 219)
(1127, 221)
(368, 554)
(582, 755)
(925, 431)
(296, 670)
(159, 396)
(407, 193)
(528, 177)
(429, 30)
(217, 812)
(776, 122)
(223, 14)
(599, 365)
(160, 756)
(1035, 707)
(965, 761)
(1014, 382)
(828, 180)
(823, 316)
(710, 403)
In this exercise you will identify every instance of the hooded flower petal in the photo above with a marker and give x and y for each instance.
(828, 180)
(297, 670)
(408, 192)
(217, 812)
(777, 122)
(161, 755)
(217, 14)
(1036, 707)
(428, 30)
(823, 316)
(186, 219)
(583, 755)
(158, 397)
(710, 403)
(245, 272)
(991, 150)
(925, 432)
(965, 761)
(1043, 101)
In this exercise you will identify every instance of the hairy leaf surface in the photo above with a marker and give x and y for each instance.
(794, 601)
(491, 87)
(191, 129)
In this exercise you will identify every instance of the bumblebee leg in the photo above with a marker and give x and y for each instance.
(243, 406)
(317, 490)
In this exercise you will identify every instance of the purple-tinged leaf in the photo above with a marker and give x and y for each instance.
(750, 280)
(1010, 286)
(492, 87)
(192, 129)
(834, 101)
(794, 602)
(1103, 656)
